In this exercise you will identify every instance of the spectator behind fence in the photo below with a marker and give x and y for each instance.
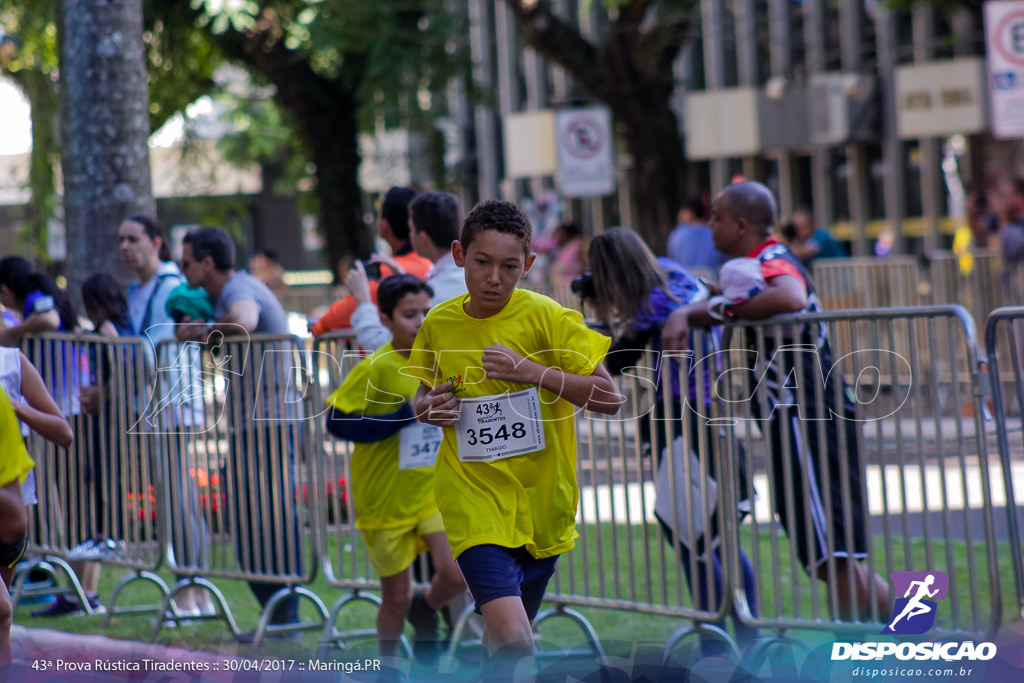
(15, 464)
(145, 252)
(433, 226)
(92, 499)
(982, 220)
(393, 473)
(568, 260)
(810, 242)
(393, 227)
(1011, 214)
(509, 510)
(265, 267)
(244, 305)
(741, 221)
(43, 308)
(633, 287)
(689, 244)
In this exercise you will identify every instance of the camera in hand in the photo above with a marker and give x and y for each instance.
(584, 286)
(372, 269)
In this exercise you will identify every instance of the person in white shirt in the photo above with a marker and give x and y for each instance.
(434, 222)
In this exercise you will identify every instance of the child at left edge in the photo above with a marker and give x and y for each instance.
(15, 464)
(393, 468)
(503, 371)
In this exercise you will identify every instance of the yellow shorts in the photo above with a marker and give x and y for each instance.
(392, 550)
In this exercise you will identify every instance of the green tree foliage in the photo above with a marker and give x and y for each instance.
(338, 67)
(28, 54)
(334, 67)
(628, 66)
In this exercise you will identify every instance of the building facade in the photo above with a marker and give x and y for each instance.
(877, 120)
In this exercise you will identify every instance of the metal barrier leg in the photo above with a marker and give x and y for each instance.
(699, 630)
(447, 663)
(222, 612)
(140, 575)
(18, 587)
(332, 636)
(50, 564)
(758, 654)
(265, 627)
(581, 621)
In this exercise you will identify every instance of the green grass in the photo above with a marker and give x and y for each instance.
(584, 573)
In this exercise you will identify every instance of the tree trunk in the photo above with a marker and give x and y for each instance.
(326, 111)
(328, 122)
(658, 172)
(105, 125)
(632, 73)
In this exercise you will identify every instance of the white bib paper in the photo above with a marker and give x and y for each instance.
(418, 445)
(496, 427)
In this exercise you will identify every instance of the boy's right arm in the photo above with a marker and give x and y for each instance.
(437, 406)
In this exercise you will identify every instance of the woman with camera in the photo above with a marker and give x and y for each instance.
(633, 293)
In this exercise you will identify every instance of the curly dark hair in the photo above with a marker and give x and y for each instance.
(495, 214)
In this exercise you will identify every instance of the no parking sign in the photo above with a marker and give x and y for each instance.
(1004, 41)
(585, 165)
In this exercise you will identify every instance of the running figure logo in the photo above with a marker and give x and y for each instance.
(914, 613)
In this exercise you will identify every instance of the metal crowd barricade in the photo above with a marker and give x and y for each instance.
(976, 281)
(923, 484)
(1004, 344)
(559, 291)
(239, 496)
(346, 564)
(624, 557)
(96, 499)
(868, 282)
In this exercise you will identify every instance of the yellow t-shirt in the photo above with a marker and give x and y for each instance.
(526, 500)
(15, 462)
(384, 495)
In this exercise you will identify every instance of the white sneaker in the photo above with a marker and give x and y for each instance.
(86, 550)
(110, 549)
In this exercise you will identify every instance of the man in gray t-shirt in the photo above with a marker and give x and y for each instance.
(240, 291)
(263, 425)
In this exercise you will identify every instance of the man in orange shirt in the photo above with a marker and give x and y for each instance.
(393, 226)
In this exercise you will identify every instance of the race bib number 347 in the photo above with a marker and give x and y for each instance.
(495, 427)
(417, 445)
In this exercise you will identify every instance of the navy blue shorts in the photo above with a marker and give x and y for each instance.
(493, 571)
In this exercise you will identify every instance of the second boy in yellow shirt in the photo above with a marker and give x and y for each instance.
(393, 464)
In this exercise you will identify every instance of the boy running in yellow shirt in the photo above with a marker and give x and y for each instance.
(393, 464)
(503, 372)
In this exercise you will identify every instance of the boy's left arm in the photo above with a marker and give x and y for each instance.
(594, 392)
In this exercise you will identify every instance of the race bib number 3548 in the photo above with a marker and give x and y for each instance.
(495, 427)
